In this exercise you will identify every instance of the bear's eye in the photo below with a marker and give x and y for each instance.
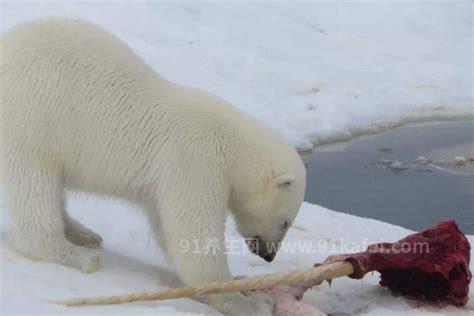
(285, 225)
(285, 184)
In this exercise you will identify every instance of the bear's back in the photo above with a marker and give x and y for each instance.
(75, 94)
(60, 77)
(61, 41)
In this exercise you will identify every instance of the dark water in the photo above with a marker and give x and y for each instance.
(346, 177)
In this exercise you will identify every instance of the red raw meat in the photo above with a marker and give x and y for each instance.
(431, 265)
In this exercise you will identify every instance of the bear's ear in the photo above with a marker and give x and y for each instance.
(284, 180)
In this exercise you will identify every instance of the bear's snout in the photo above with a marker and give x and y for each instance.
(268, 257)
(264, 249)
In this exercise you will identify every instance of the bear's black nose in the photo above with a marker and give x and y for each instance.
(261, 249)
(269, 257)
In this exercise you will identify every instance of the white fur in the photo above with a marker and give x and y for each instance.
(80, 111)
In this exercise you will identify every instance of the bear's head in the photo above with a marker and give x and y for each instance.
(266, 204)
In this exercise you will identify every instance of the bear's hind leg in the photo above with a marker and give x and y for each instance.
(80, 235)
(77, 233)
(34, 197)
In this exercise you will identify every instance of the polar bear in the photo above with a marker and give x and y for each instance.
(81, 111)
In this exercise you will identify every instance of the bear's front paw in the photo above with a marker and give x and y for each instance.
(263, 303)
(236, 304)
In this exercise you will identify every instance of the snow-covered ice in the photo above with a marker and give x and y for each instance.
(315, 71)
(131, 263)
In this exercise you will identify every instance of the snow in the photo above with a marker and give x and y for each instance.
(131, 263)
(316, 72)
